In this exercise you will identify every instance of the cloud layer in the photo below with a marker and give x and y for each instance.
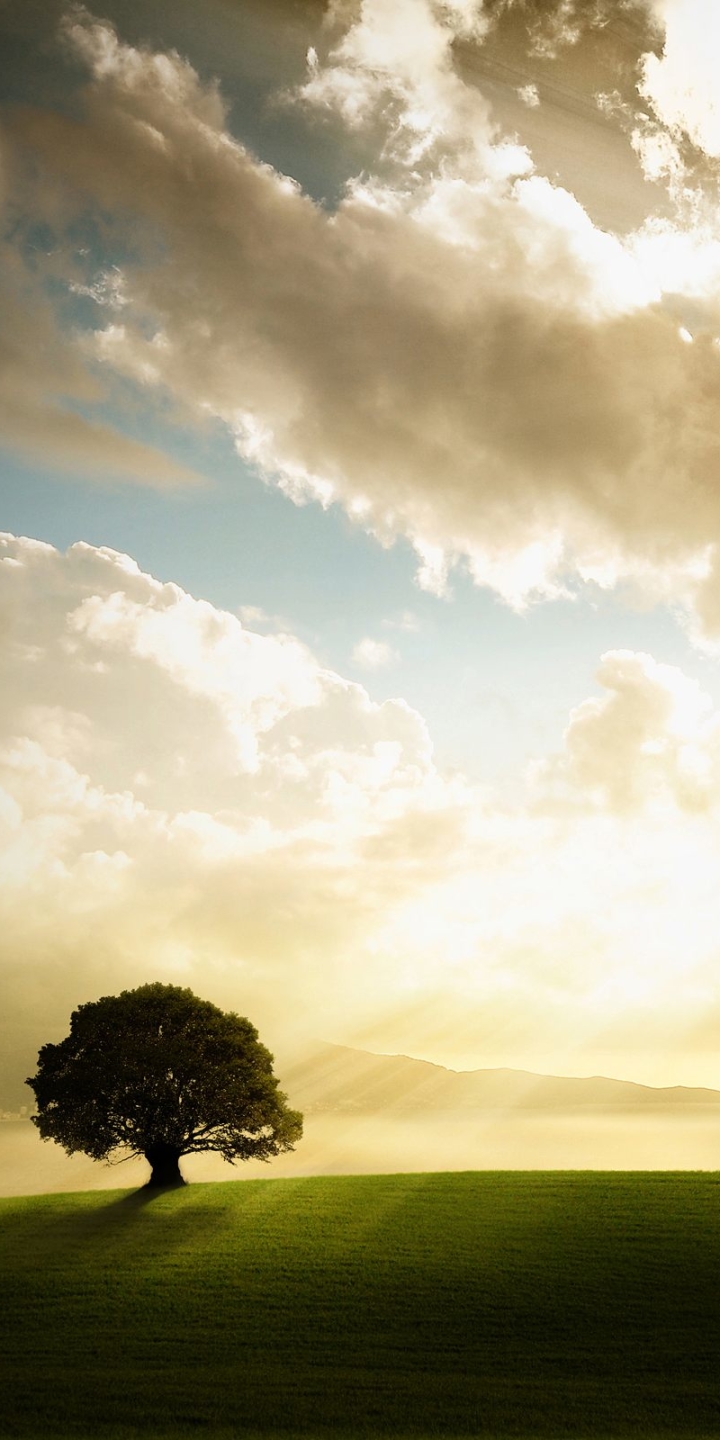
(456, 355)
(51, 395)
(182, 798)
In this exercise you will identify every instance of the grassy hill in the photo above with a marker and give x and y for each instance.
(495, 1304)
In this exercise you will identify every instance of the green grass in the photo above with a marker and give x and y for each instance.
(492, 1304)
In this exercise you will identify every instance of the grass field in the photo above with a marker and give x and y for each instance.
(496, 1304)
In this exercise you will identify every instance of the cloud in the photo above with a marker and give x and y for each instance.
(186, 796)
(49, 390)
(652, 740)
(529, 96)
(373, 654)
(397, 59)
(560, 25)
(681, 82)
(456, 355)
(183, 798)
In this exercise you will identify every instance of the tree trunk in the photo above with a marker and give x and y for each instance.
(163, 1160)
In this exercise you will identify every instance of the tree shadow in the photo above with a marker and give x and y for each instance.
(151, 1218)
(146, 1194)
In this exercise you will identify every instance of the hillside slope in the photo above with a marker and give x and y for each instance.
(525, 1305)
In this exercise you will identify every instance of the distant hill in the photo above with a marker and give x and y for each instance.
(337, 1079)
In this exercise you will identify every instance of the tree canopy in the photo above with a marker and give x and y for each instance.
(160, 1073)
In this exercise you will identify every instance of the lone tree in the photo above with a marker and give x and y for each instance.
(158, 1072)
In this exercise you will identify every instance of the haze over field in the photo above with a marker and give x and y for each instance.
(388, 1114)
(360, 577)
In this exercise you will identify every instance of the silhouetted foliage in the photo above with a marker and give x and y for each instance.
(160, 1073)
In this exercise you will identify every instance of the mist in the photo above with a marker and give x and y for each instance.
(338, 1145)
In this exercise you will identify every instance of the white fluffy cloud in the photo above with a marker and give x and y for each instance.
(182, 798)
(681, 83)
(652, 741)
(373, 654)
(182, 795)
(397, 58)
(456, 355)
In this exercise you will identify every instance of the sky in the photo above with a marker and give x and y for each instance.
(360, 499)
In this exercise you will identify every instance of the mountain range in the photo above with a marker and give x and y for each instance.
(337, 1079)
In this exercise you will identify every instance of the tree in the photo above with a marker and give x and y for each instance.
(158, 1072)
